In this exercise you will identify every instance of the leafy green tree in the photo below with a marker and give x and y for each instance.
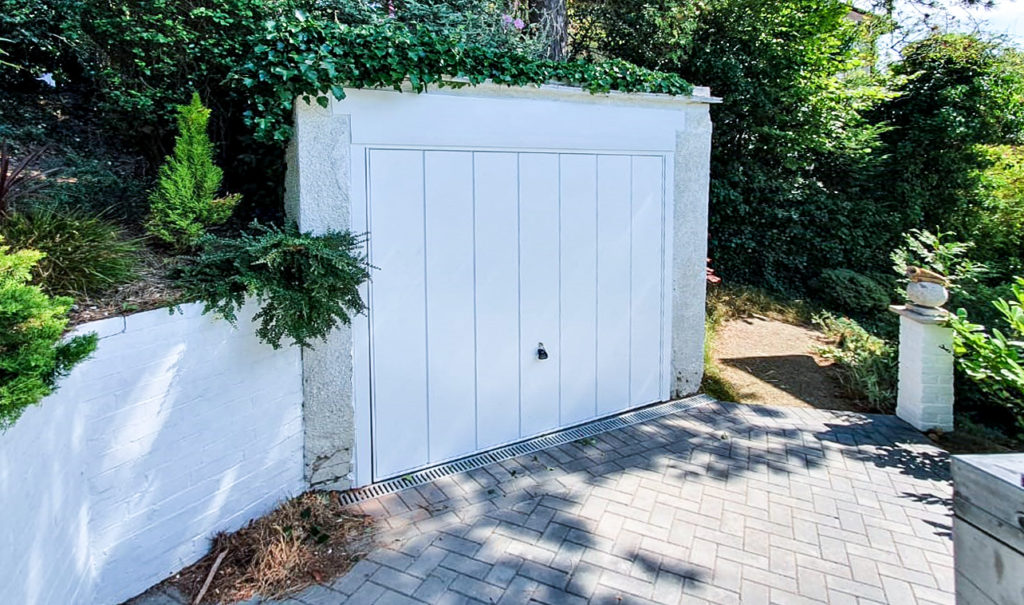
(954, 95)
(185, 203)
(793, 160)
(995, 221)
(32, 353)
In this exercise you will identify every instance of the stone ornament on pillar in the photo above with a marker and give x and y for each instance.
(927, 292)
(925, 398)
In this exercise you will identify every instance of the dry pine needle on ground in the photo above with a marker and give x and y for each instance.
(309, 539)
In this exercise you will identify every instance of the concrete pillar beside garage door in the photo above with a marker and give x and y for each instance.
(344, 160)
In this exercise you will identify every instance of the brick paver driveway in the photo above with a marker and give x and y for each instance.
(721, 504)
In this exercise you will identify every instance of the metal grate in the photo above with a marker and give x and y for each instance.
(521, 448)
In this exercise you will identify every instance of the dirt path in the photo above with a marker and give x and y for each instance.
(773, 363)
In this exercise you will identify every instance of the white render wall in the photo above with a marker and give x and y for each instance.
(178, 427)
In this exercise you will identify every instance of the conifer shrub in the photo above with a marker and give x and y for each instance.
(185, 203)
(33, 354)
(306, 284)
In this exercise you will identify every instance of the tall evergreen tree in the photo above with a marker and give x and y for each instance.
(185, 200)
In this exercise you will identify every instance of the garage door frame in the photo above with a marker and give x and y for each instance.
(326, 185)
(365, 410)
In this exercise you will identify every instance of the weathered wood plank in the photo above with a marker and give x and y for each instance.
(985, 565)
(989, 494)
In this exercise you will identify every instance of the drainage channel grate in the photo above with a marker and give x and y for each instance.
(521, 448)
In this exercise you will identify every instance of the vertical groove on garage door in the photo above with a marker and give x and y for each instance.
(451, 358)
(396, 213)
(646, 276)
(519, 284)
(578, 278)
(497, 296)
(539, 290)
(613, 283)
(426, 300)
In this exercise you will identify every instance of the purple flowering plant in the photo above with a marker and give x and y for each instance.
(508, 18)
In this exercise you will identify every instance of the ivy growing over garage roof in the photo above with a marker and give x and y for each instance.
(311, 58)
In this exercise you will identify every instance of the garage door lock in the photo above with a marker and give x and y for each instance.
(542, 353)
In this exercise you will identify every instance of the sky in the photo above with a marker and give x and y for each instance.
(1006, 18)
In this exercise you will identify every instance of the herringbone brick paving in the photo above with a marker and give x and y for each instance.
(724, 503)
(720, 504)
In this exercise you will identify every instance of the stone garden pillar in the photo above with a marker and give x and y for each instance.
(925, 398)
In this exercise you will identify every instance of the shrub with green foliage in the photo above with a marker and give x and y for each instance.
(938, 252)
(32, 353)
(850, 292)
(793, 161)
(868, 364)
(306, 284)
(83, 254)
(976, 301)
(996, 222)
(36, 37)
(185, 203)
(955, 94)
(994, 358)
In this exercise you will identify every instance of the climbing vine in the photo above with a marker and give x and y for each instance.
(310, 59)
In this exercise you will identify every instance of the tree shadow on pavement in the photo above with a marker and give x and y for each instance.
(668, 508)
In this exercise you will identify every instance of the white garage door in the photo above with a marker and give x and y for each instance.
(482, 256)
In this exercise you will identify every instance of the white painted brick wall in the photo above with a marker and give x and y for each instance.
(177, 428)
(925, 397)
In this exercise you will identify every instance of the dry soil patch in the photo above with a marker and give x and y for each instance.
(774, 363)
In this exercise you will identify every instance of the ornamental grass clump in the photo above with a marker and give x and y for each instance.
(185, 203)
(84, 254)
(33, 354)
